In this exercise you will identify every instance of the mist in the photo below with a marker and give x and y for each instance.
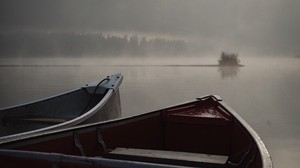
(252, 28)
(158, 35)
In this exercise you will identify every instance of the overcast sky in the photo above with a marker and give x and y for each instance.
(270, 27)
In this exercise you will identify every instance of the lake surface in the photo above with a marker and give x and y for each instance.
(266, 92)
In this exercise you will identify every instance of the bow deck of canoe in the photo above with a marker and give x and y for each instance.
(201, 133)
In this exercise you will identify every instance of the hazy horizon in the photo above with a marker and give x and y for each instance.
(249, 27)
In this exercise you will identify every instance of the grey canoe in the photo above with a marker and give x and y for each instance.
(91, 103)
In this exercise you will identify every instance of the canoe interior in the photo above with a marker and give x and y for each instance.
(203, 127)
(47, 112)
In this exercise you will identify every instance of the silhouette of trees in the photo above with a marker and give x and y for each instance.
(40, 43)
(229, 59)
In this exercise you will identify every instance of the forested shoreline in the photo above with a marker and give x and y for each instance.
(48, 44)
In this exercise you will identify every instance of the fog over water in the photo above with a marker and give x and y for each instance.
(269, 27)
(163, 48)
(265, 92)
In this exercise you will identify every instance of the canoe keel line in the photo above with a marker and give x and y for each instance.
(202, 133)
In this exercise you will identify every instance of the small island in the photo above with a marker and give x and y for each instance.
(229, 59)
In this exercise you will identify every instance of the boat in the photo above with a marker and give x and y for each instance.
(93, 102)
(203, 133)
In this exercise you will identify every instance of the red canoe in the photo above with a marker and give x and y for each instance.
(201, 133)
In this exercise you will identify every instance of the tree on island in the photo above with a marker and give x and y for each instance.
(230, 59)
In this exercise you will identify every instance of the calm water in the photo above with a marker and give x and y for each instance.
(266, 92)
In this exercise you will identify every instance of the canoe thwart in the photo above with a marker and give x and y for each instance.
(168, 157)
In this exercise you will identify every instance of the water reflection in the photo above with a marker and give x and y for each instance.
(229, 71)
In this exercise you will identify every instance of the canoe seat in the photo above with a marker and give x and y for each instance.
(34, 120)
(168, 157)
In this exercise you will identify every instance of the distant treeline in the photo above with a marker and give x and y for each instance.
(38, 43)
